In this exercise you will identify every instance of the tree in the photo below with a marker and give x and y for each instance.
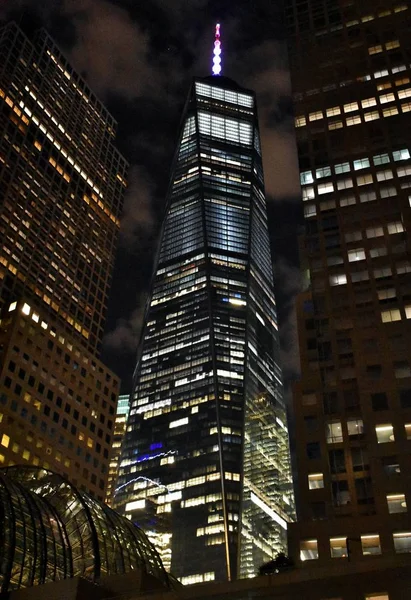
(279, 564)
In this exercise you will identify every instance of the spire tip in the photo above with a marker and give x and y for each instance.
(217, 51)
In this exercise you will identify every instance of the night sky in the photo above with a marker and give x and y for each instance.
(139, 56)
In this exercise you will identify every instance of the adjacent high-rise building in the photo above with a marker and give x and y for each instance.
(120, 424)
(207, 441)
(61, 190)
(351, 75)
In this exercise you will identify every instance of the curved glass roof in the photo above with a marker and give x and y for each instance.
(49, 530)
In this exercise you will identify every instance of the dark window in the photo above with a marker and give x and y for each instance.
(331, 404)
(341, 494)
(337, 461)
(311, 424)
(313, 450)
(363, 490)
(318, 510)
(379, 401)
(405, 398)
(359, 459)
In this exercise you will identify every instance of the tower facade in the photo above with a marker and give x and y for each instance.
(61, 190)
(350, 66)
(207, 439)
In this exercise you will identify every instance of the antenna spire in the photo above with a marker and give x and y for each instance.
(217, 51)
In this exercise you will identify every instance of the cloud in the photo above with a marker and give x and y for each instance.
(288, 280)
(110, 48)
(266, 72)
(124, 338)
(137, 218)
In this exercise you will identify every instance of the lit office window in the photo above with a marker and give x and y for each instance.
(387, 316)
(407, 428)
(355, 427)
(315, 481)
(338, 547)
(385, 433)
(308, 549)
(370, 544)
(355, 255)
(396, 503)
(333, 432)
(402, 542)
(377, 596)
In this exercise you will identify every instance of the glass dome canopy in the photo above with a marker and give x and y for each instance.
(49, 530)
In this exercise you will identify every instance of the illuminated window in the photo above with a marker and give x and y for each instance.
(385, 433)
(355, 427)
(300, 121)
(353, 120)
(370, 544)
(407, 427)
(315, 481)
(338, 547)
(314, 116)
(323, 172)
(325, 188)
(362, 163)
(368, 102)
(308, 549)
(373, 232)
(395, 227)
(396, 503)
(344, 184)
(306, 177)
(371, 116)
(342, 168)
(377, 596)
(308, 193)
(333, 111)
(350, 107)
(356, 255)
(390, 112)
(402, 542)
(5, 440)
(340, 279)
(333, 432)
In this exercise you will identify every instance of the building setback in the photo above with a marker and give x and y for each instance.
(207, 437)
(61, 190)
(350, 67)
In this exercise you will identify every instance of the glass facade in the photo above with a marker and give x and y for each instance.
(206, 443)
(51, 531)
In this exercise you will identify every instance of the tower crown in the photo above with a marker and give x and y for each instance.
(217, 52)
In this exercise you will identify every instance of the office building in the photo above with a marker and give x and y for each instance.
(61, 190)
(57, 401)
(207, 438)
(350, 68)
(51, 531)
(120, 423)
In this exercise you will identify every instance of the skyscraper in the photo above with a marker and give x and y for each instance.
(350, 67)
(61, 190)
(207, 439)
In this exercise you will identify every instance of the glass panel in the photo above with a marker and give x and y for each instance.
(308, 549)
(338, 547)
(396, 503)
(370, 544)
(385, 433)
(402, 542)
(333, 432)
(315, 481)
